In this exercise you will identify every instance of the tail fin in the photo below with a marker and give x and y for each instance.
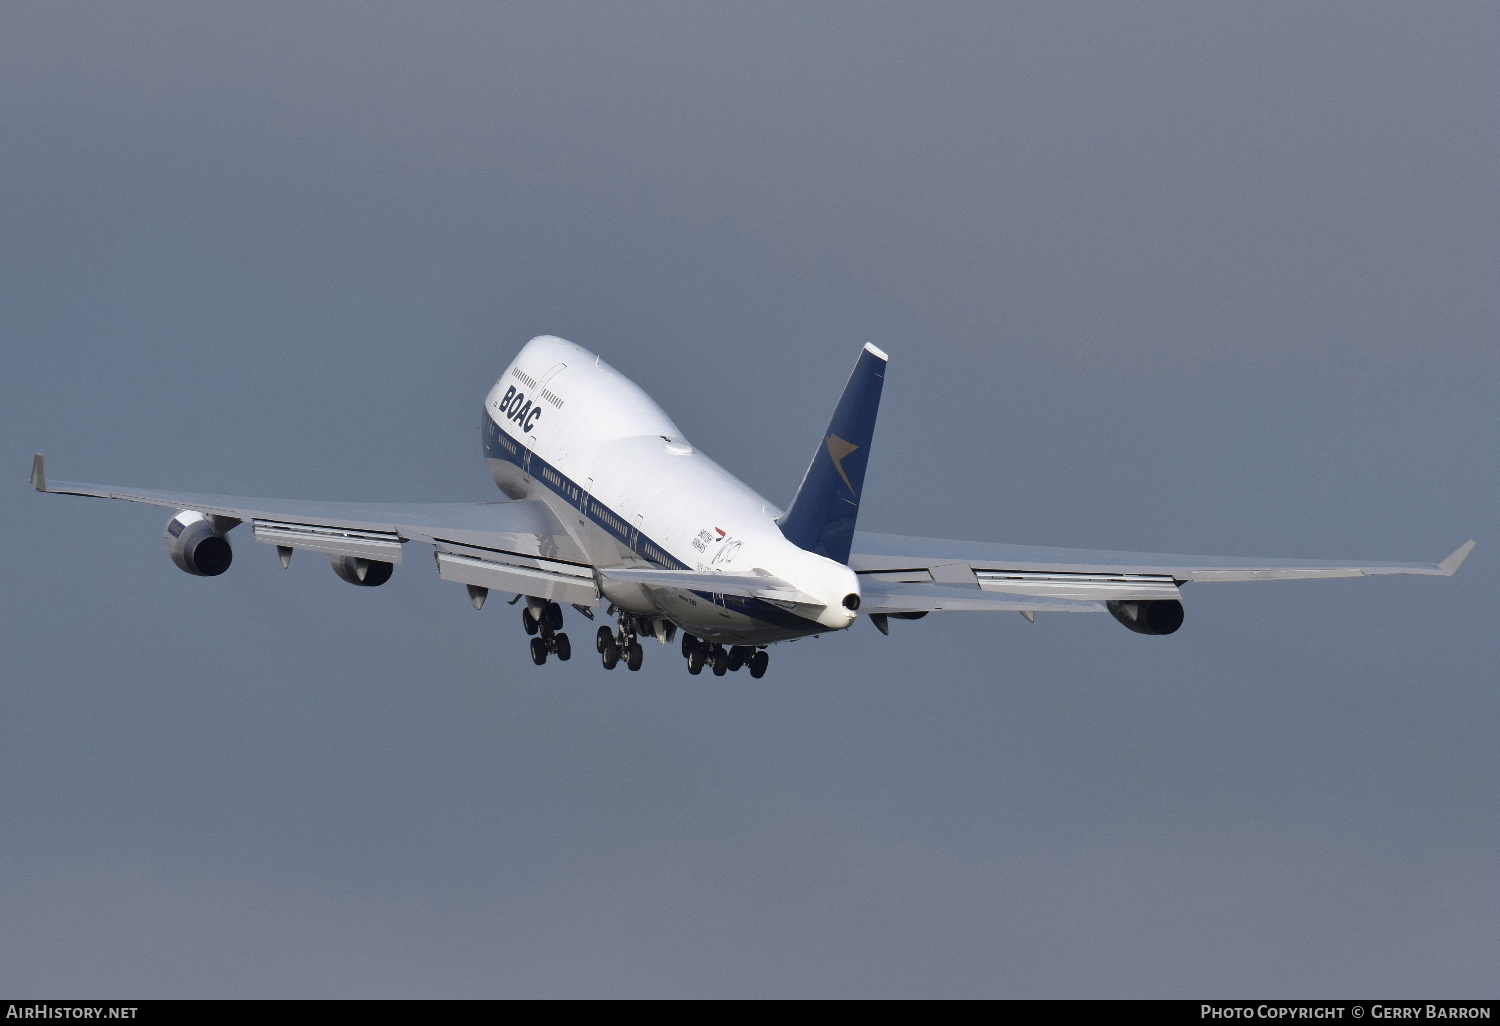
(822, 514)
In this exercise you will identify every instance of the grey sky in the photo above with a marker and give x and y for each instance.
(1200, 278)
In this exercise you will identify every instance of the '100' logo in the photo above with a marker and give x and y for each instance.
(518, 408)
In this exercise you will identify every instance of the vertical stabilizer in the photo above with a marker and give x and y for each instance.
(822, 514)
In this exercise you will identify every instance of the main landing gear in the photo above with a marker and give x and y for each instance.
(700, 653)
(623, 644)
(544, 620)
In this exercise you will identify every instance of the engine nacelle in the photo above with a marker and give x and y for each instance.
(367, 573)
(197, 544)
(1157, 616)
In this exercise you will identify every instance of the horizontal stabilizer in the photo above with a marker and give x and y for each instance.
(880, 597)
(771, 589)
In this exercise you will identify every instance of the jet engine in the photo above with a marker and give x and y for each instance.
(1158, 616)
(367, 573)
(197, 544)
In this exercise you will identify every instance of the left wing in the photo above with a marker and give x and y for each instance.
(517, 546)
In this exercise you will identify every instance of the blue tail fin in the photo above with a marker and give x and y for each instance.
(822, 514)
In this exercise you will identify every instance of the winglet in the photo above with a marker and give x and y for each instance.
(38, 473)
(1448, 566)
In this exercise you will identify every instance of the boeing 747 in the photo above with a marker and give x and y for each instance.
(608, 507)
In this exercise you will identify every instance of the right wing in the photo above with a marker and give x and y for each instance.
(903, 574)
(515, 546)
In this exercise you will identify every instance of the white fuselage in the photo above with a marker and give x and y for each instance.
(564, 427)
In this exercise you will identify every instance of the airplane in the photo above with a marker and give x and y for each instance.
(608, 505)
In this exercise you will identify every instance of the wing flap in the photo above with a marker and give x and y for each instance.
(553, 584)
(1079, 587)
(336, 541)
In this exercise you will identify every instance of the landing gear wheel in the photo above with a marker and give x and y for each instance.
(635, 656)
(610, 656)
(538, 651)
(602, 638)
(528, 621)
(554, 616)
(720, 662)
(563, 647)
(737, 658)
(695, 661)
(758, 663)
(688, 644)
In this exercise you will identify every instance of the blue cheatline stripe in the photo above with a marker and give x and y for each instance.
(500, 446)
